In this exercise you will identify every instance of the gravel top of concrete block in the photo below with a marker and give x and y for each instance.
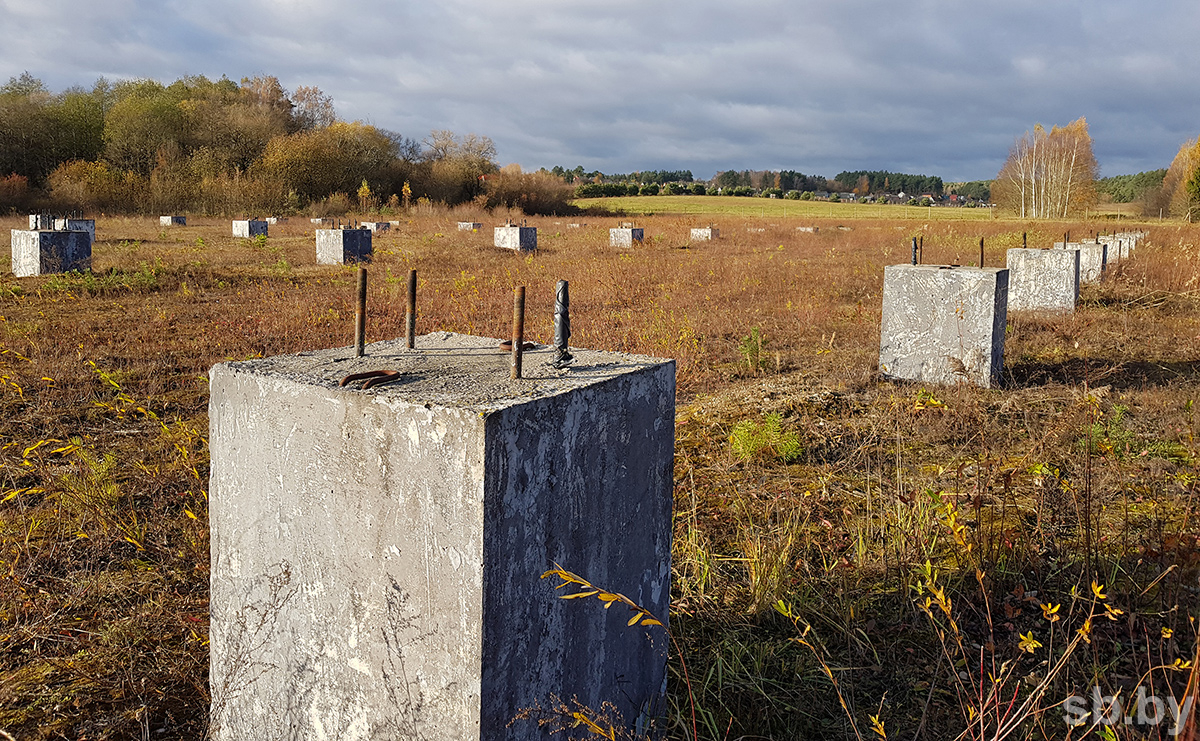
(450, 370)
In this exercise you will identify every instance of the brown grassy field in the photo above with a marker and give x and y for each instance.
(817, 507)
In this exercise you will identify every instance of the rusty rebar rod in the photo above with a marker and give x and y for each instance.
(360, 315)
(981, 252)
(410, 320)
(914, 251)
(518, 330)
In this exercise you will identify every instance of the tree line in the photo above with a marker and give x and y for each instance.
(219, 146)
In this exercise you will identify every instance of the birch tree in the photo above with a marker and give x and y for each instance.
(1048, 174)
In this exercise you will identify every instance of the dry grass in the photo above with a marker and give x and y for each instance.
(1083, 467)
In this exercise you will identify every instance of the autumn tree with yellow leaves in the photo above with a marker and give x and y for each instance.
(1048, 174)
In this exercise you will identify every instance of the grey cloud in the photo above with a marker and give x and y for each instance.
(920, 86)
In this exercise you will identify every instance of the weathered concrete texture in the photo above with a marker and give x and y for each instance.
(1043, 280)
(377, 226)
(343, 246)
(172, 221)
(469, 226)
(40, 221)
(577, 225)
(1093, 259)
(376, 554)
(943, 324)
(39, 252)
(276, 219)
(626, 237)
(705, 234)
(322, 221)
(809, 229)
(77, 225)
(520, 238)
(249, 228)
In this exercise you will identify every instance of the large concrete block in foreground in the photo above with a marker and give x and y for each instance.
(376, 554)
(172, 221)
(1093, 259)
(40, 251)
(343, 246)
(943, 324)
(626, 236)
(1043, 280)
(519, 238)
(249, 228)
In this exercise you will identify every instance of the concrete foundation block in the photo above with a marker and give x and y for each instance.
(626, 236)
(579, 225)
(376, 555)
(249, 228)
(1043, 280)
(276, 219)
(520, 238)
(343, 246)
(172, 221)
(808, 229)
(1093, 259)
(377, 226)
(77, 225)
(943, 324)
(40, 251)
(705, 234)
(40, 221)
(469, 226)
(322, 221)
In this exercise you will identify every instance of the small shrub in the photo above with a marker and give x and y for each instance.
(751, 439)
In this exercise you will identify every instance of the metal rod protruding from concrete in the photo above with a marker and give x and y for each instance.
(1024, 239)
(562, 324)
(914, 254)
(921, 250)
(518, 330)
(410, 320)
(981, 252)
(360, 315)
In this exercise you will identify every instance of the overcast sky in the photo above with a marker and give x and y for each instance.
(938, 88)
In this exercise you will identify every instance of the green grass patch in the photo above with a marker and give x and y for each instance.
(775, 207)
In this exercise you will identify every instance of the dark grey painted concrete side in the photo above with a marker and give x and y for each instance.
(583, 480)
(347, 544)
(943, 324)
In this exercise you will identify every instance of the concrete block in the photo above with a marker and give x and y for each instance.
(469, 226)
(577, 226)
(249, 228)
(172, 221)
(809, 229)
(322, 221)
(276, 219)
(943, 324)
(626, 236)
(705, 234)
(40, 221)
(376, 554)
(41, 251)
(343, 246)
(1093, 259)
(377, 226)
(77, 225)
(520, 238)
(1043, 280)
